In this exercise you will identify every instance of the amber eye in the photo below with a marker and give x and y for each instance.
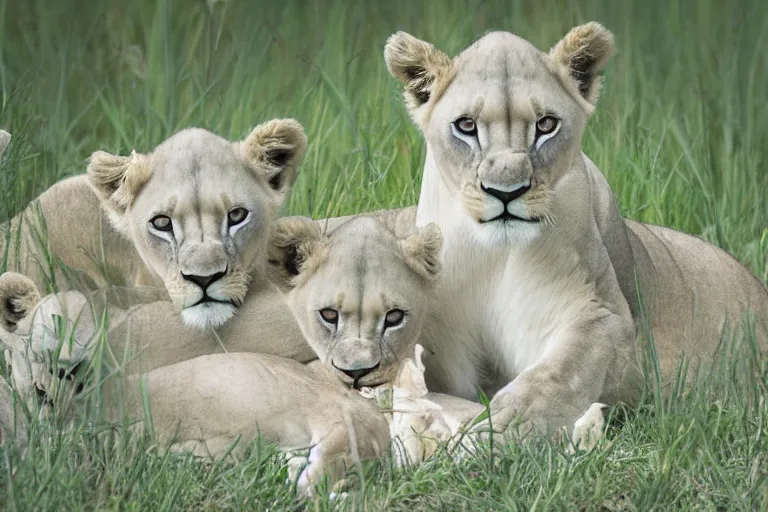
(393, 318)
(546, 124)
(162, 223)
(466, 126)
(329, 315)
(236, 216)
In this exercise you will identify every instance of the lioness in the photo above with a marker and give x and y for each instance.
(545, 285)
(197, 209)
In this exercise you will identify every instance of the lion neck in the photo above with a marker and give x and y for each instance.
(438, 204)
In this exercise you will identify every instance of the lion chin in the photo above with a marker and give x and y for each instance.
(505, 232)
(208, 314)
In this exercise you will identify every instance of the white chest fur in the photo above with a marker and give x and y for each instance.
(498, 309)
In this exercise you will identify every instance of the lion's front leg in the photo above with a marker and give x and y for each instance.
(582, 364)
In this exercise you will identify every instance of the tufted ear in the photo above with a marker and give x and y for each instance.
(117, 180)
(420, 66)
(582, 55)
(18, 296)
(5, 139)
(411, 375)
(422, 250)
(294, 243)
(276, 149)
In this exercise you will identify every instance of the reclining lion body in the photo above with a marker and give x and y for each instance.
(64, 238)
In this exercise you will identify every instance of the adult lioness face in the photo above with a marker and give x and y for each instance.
(502, 122)
(359, 294)
(198, 208)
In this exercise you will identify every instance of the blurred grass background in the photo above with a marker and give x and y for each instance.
(680, 132)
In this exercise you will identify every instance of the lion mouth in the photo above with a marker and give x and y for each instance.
(508, 217)
(207, 299)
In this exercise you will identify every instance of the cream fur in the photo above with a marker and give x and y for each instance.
(205, 259)
(208, 403)
(5, 139)
(11, 426)
(421, 421)
(364, 273)
(545, 300)
(200, 403)
(204, 405)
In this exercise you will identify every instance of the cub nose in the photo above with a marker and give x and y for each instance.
(357, 373)
(506, 196)
(204, 281)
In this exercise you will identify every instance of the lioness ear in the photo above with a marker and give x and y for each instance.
(293, 243)
(419, 65)
(422, 250)
(276, 149)
(18, 296)
(582, 55)
(117, 180)
(5, 139)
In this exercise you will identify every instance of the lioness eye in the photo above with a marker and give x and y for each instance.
(329, 315)
(546, 124)
(394, 317)
(236, 216)
(162, 223)
(466, 126)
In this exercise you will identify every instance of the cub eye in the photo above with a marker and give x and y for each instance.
(236, 216)
(162, 223)
(546, 124)
(393, 318)
(329, 316)
(466, 125)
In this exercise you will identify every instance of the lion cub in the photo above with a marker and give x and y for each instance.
(359, 294)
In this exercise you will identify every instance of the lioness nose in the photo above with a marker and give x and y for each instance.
(358, 373)
(204, 281)
(505, 196)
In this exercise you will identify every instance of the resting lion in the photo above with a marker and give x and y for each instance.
(357, 290)
(198, 210)
(545, 286)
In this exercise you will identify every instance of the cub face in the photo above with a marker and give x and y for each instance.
(503, 121)
(35, 331)
(359, 294)
(198, 209)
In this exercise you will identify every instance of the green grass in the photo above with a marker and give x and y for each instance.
(680, 132)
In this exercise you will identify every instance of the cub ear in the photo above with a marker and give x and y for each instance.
(419, 65)
(582, 55)
(422, 250)
(18, 297)
(5, 139)
(294, 244)
(276, 149)
(117, 180)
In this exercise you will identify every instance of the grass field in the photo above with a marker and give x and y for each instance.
(681, 132)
